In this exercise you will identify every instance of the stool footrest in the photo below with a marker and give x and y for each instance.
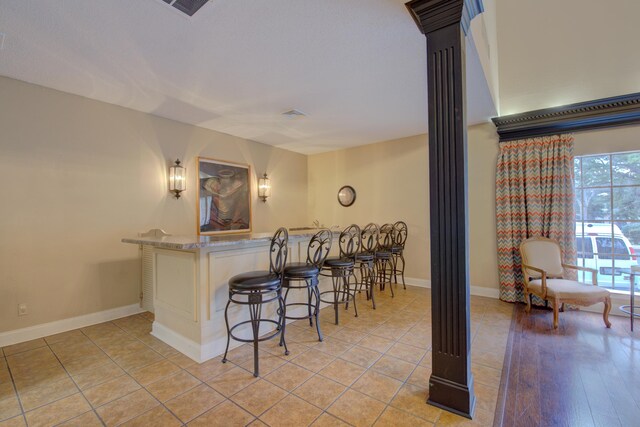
(350, 296)
(260, 339)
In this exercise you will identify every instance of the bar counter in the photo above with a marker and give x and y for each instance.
(188, 275)
(228, 240)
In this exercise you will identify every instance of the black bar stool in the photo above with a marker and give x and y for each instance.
(305, 275)
(384, 257)
(400, 232)
(340, 269)
(365, 261)
(257, 288)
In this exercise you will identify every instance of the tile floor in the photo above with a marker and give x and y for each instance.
(370, 370)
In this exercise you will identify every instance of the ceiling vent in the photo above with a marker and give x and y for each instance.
(294, 113)
(188, 7)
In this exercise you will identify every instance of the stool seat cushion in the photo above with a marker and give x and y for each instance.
(396, 249)
(300, 270)
(383, 255)
(365, 256)
(258, 280)
(336, 262)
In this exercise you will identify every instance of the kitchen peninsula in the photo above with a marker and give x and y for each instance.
(189, 276)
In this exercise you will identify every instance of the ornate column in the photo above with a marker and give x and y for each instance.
(451, 382)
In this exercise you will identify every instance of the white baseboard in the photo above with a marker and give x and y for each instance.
(616, 299)
(45, 329)
(421, 283)
(479, 291)
(213, 348)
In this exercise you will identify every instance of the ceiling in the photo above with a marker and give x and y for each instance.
(356, 67)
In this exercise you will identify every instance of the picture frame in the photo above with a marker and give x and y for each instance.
(223, 197)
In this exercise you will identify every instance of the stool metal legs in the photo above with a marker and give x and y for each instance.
(342, 293)
(398, 257)
(385, 273)
(255, 300)
(368, 280)
(311, 286)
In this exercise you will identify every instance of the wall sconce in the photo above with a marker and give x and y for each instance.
(264, 187)
(177, 179)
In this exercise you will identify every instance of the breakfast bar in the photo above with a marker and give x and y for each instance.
(189, 277)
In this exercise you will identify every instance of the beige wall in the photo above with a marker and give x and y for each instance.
(483, 155)
(613, 140)
(559, 52)
(391, 181)
(78, 175)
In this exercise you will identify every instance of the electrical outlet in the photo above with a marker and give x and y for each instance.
(22, 310)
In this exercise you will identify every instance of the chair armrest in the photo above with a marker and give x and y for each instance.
(543, 277)
(594, 272)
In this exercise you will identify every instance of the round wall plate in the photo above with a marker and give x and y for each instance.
(346, 195)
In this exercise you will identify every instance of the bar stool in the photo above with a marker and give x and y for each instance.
(340, 269)
(384, 257)
(305, 275)
(255, 289)
(365, 261)
(400, 232)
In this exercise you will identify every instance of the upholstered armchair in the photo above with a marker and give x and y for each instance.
(543, 272)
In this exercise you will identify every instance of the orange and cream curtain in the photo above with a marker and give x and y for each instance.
(534, 197)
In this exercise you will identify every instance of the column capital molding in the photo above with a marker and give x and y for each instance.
(433, 15)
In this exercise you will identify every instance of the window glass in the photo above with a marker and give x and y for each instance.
(626, 168)
(620, 248)
(630, 230)
(607, 212)
(597, 204)
(604, 246)
(596, 171)
(584, 247)
(626, 203)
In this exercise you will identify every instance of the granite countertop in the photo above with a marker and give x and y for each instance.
(198, 242)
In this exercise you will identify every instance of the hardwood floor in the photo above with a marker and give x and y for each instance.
(581, 374)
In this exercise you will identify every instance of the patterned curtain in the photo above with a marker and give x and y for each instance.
(534, 197)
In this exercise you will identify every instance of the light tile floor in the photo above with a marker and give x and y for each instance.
(370, 370)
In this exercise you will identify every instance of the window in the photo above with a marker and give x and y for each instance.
(585, 248)
(607, 204)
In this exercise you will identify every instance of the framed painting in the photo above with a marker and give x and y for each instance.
(224, 197)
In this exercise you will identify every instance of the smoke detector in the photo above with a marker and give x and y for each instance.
(294, 113)
(188, 7)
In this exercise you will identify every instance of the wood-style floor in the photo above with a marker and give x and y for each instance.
(581, 374)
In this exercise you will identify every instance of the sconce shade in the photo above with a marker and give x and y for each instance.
(264, 188)
(177, 179)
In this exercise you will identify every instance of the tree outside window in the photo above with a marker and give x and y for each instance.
(607, 205)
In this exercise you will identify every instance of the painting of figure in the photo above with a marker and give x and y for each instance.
(224, 197)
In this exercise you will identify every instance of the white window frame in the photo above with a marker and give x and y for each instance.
(579, 193)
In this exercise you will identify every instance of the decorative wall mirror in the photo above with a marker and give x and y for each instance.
(346, 195)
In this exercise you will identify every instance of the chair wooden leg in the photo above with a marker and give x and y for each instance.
(607, 309)
(562, 308)
(527, 297)
(556, 310)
